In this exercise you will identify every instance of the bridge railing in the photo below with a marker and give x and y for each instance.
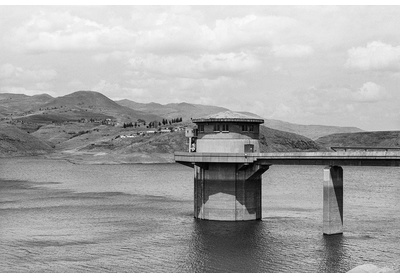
(365, 148)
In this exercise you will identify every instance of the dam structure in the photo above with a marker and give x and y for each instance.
(224, 151)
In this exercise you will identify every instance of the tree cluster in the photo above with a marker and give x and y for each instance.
(175, 120)
(153, 124)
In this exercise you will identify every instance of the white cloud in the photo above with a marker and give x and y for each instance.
(107, 88)
(8, 71)
(113, 56)
(292, 51)
(370, 92)
(61, 31)
(14, 74)
(207, 65)
(179, 33)
(375, 56)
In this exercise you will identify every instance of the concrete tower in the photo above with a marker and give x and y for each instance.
(226, 189)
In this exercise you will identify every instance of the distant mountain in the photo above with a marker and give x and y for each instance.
(90, 104)
(19, 103)
(188, 111)
(362, 139)
(95, 102)
(273, 140)
(173, 110)
(15, 142)
(86, 99)
(310, 131)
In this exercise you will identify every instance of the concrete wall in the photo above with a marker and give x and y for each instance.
(223, 192)
(225, 145)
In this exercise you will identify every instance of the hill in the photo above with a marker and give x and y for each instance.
(81, 102)
(15, 142)
(94, 105)
(188, 111)
(362, 139)
(173, 110)
(273, 140)
(89, 143)
(20, 103)
(310, 131)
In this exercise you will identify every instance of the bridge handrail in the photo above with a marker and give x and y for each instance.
(365, 148)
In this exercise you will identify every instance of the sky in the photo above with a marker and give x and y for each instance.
(325, 65)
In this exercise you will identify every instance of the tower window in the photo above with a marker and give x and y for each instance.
(201, 128)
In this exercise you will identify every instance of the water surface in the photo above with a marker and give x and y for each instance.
(60, 217)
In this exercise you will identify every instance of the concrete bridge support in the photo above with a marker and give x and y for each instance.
(228, 191)
(333, 200)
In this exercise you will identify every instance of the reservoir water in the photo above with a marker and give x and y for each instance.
(60, 217)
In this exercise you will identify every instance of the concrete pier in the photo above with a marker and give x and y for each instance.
(333, 200)
(228, 192)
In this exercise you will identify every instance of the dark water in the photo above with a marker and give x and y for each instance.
(60, 217)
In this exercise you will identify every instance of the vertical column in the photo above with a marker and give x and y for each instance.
(333, 200)
(223, 192)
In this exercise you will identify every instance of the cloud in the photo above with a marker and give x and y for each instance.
(206, 65)
(375, 56)
(183, 33)
(292, 51)
(370, 92)
(107, 87)
(8, 71)
(367, 105)
(61, 31)
(14, 74)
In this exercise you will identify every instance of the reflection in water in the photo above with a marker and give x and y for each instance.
(334, 257)
(218, 246)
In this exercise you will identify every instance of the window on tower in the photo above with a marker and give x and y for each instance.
(201, 128)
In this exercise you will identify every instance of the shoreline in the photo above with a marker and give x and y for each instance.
(106, 159)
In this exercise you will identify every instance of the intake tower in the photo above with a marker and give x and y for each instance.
(227, 190)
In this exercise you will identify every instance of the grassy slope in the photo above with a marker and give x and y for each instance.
(18, 103)
(15, 142)
(84, 143)
(173, 110)
(273, 140)
(98, 103)
(361, 139)
(310, 131)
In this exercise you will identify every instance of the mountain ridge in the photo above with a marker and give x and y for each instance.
(152, 111)
(57, 130)
(362, 139)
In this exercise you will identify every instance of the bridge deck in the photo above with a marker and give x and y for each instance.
(354, 158)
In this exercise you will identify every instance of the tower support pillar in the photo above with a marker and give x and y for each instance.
(228, 191)
(333, 200)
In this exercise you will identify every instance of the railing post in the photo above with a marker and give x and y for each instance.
(333, 200)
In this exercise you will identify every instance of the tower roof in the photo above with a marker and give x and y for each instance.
(229, 116)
